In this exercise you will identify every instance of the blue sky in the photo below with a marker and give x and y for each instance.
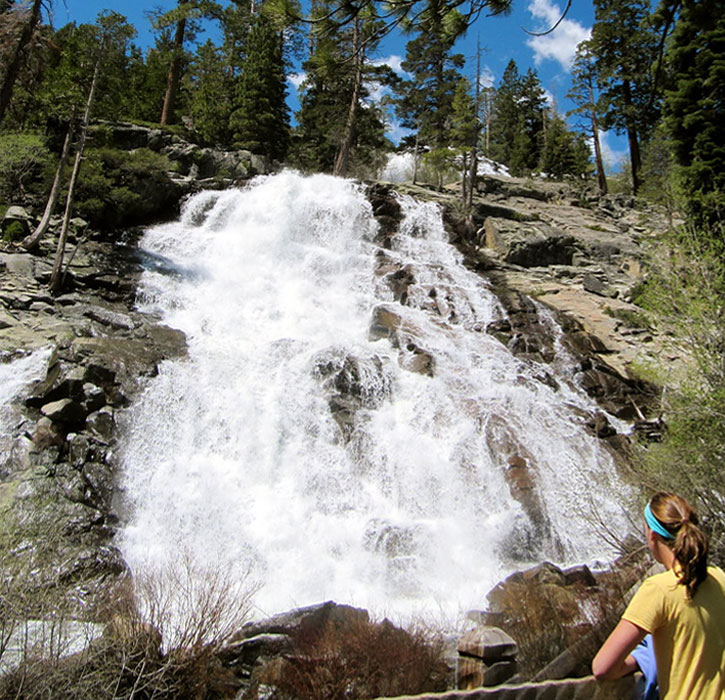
(500, 38)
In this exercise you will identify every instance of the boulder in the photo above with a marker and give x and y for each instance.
(386, 209)
(251, 650)
(388, 323)
(101, 424)
(66, 412)
(522, 486)
(487, 643)
(486, 657)
(310, 620)
(529, 244)
(114, 319)
(16, 223)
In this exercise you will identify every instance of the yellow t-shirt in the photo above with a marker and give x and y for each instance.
(689, 636)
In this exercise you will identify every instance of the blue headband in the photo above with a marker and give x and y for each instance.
(655, 525)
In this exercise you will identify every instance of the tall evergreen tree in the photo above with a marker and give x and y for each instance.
(425, 102)
(184, 18)
(504, 122)
(465, 128)
(564, 153)
(625, 45)
(695, 105)
(337, 122)
(518, 121)
(582, 93)
(260, 119)
(210, 94)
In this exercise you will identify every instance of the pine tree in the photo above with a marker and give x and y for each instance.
(210, 94)
(504, 122)
(695, 106)
(465, 128)
(565, 153)
(425, 102)
(339, 129)
(518, 121)
(625, 45)
(582, 93)
(184, 18)
(260, 119)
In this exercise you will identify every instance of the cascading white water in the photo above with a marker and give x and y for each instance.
(15, 376)
(232, 455)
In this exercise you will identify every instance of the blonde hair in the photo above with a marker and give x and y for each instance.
(689, 543)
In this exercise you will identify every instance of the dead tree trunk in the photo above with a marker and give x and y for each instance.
(172, 81)
(56, 276)
(342, 160)
(415, 159)
(31, 241)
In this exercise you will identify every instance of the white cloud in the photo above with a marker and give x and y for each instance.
(613, 158)
(297, 79)
(561, 44)
(487, 78)
(394, 61)
(549, 96)
(377, 91)
(394, 131)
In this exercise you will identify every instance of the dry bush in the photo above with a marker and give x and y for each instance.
(359, 660)
(198, 609)
(547, 619)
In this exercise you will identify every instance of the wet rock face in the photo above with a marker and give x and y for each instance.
(352, 384)
(59, 468)
(386, 210)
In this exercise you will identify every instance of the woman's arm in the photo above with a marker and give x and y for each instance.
(613, 659)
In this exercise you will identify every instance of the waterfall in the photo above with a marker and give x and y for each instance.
(15, 376)
(233, 457)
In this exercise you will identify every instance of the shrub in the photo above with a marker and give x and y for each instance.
(24, 163)
(198, 608)
(14, 231)
(124, 188)
(686, 291)
(360, 660)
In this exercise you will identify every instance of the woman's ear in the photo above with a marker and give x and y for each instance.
(650, 539)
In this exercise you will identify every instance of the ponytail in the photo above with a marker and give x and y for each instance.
(688, 543)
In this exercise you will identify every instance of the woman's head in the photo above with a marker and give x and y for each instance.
(676, 524)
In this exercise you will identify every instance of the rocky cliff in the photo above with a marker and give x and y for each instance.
(545, 248)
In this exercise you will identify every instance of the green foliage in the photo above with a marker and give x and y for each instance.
(327, 95)
(210, 94)
(259, 121)
(14, 231)
(564, 153)
(425, 102)
(695, 108)
(118, 188)
(629, 317)
(658, 179)
(518, 121)
(686, 291)
(625, 46)
(66, 80)
(465, 125)
(440, 163)
(24, 162)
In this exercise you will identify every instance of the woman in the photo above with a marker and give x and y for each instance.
(683, 609)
